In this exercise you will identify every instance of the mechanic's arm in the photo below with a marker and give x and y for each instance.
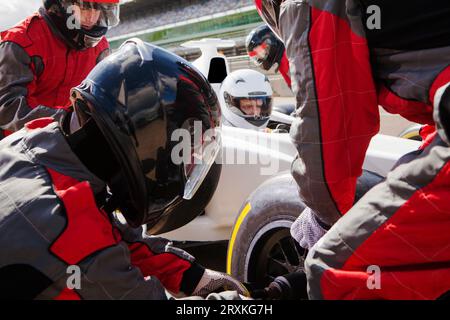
(175, 268)
(110, 275)
(16, 75)
(337, 110)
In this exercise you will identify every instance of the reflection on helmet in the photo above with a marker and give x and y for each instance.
(82, 23)
(140, 97)
(246, 99)
(264, 48)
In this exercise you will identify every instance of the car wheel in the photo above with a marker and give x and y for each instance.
(261, 247)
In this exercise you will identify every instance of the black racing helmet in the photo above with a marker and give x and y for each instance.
(161, 119)
(441, 113)
(264, 48)
(81, 23)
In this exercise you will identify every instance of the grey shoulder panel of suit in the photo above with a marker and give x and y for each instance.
(26, 187)
(15, 76)
(27, 230)
(49, 148)
(410, 74)
(348, 10)
(31, 218)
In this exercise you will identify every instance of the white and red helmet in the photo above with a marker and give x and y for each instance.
(82, 23)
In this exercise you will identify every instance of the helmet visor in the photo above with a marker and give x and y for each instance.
(252, 107)
(260, 53)
(89, 14)
(204, 148)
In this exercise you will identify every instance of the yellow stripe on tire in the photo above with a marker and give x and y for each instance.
(241, 218)
(410, 135)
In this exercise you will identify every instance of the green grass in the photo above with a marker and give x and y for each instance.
(217, 27)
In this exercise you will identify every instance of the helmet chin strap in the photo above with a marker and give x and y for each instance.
(90, 42)
(90, 38)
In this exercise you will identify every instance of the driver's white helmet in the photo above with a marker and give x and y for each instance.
(246, 99)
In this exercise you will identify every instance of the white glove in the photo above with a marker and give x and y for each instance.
(213, 281)
(306, 230)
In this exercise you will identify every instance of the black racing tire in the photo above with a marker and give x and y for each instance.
(261, 247)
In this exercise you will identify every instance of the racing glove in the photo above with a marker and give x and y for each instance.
(308, 229)
(214, 281)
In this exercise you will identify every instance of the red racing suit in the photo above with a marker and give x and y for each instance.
(37, 71)
(395, 242)
(50, 220)
(342, 70)
(341, 73)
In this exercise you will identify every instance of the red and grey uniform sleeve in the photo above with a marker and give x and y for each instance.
(337, 110)
(394, 243)
(141, 270)
(154, 256)
(110, 275)
(16, 75)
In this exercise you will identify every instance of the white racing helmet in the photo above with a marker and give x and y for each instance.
(246, 99)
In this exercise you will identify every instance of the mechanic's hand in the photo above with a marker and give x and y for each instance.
(306, 230)
(214, 281)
